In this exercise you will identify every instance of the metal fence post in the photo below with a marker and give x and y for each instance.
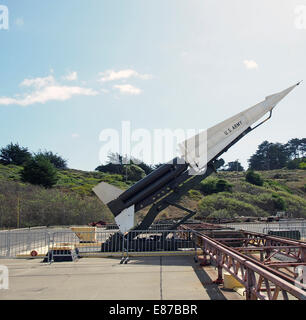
(28, 239)
(127, 247)
(195, 247)
(50, 249)
(47, 239)
(8, 244)
(122, 249)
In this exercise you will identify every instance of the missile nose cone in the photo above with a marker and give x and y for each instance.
(277, 97)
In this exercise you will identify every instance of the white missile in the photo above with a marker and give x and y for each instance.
(198, 150)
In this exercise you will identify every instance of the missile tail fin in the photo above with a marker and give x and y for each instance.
(107, 193)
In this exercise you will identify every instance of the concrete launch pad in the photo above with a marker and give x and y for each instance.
(143, 278)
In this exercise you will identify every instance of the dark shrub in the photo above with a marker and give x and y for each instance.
(208, 186)
(14, 154)
(279, 202)
(134, 173)
(39, 171)
(54, 158)
(254, 178)
(211, 185)
(223, 185)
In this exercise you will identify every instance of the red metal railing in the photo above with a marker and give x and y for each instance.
(262, 277)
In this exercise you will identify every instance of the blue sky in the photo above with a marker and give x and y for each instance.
(70, 69)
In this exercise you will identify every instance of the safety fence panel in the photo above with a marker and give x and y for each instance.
(273, 226)
(162, 242)
(160, 226)
(94, 243)
(87, 243)
(26, 243)
(292, 232)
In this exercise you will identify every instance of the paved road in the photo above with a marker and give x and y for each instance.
(141, 279)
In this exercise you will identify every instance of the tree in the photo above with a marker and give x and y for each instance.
(40, 171)
(14, 154)
(116, 158)
(295, 163)
(116, 164)
(278, 156)
(134, 173)
(296, 148)
(258, 161)
(269, 156)
(145, 167)
(219, 164)
(254, 178)
(54, 158)
(234, 166)
(110, 168)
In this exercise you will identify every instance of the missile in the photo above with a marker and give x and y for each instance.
(203, 147)
(195, 154)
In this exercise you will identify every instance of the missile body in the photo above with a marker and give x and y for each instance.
(196, 153)
(203, 147)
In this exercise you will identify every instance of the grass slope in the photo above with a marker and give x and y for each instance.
(71, 200)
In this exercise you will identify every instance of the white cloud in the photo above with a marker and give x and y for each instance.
(250, 64)
(71, 76)
(75, 135)
(44, 90)
(38, 82)
(111, 75)
(127, 89)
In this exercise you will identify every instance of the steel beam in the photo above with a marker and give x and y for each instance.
(260, 279)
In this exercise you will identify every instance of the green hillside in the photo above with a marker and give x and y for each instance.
(71, 200)
(283, 190)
